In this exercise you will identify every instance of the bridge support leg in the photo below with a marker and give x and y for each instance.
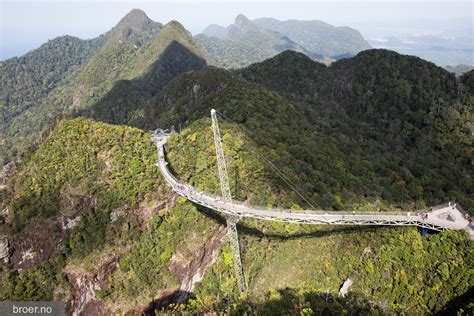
(423, 231)
(234, 245)
(225, 188)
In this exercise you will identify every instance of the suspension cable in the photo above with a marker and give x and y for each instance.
(280, 173)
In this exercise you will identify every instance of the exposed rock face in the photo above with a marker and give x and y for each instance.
(345, 288)
(33, 246)
(146, 209)
(74, 203)
(190, 272)
(367, 251)
(86, 284)
(4, 215)
(69, 223)
(116, 214)
(6, 172)
(4, 248)
(193, 271)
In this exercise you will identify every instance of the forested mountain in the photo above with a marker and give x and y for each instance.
(246, 42)
(126, 99)
(130, 51)
(92, 223)
(408, 120)
(387, 135)
(318, 37)
(28, 80)
(86, 218)
(31, 77)
(171, 52)
(468, 82)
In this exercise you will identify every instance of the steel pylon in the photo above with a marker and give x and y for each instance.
(225, 189)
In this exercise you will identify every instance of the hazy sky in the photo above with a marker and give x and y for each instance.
(27, 24)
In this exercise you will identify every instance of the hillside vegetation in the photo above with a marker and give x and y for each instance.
(300, 268)
(369, 133)
(101, 178)
(90, 221)
(398, 120)
(133, 236)
(137, 54)
(27, 81)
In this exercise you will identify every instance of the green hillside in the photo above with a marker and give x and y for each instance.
(232, 54)
(292, 268)
(122, 59)
(399, 141)
(31, 77)
(105, 177)
(140, 242)
(403, 120)
(129, 52)
(27, 81)
(90, 220)
(125, 99)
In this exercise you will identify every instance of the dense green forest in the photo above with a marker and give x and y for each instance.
(402, 117)
(29, 78)
(374, 132)
(127, 98)
(107, 177)
(27, 81)
(86, 170)
(129, 54)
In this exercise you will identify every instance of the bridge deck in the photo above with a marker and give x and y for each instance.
(435, 220)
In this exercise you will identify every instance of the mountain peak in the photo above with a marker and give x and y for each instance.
(136, 14)
(241, 21)
(215, 30)
(135, 20)
(175, 25)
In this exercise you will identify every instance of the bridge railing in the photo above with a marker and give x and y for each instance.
(243, 209)
(160, 140)
(187, 189)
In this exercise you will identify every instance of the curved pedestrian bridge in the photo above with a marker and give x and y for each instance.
(447, 216)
